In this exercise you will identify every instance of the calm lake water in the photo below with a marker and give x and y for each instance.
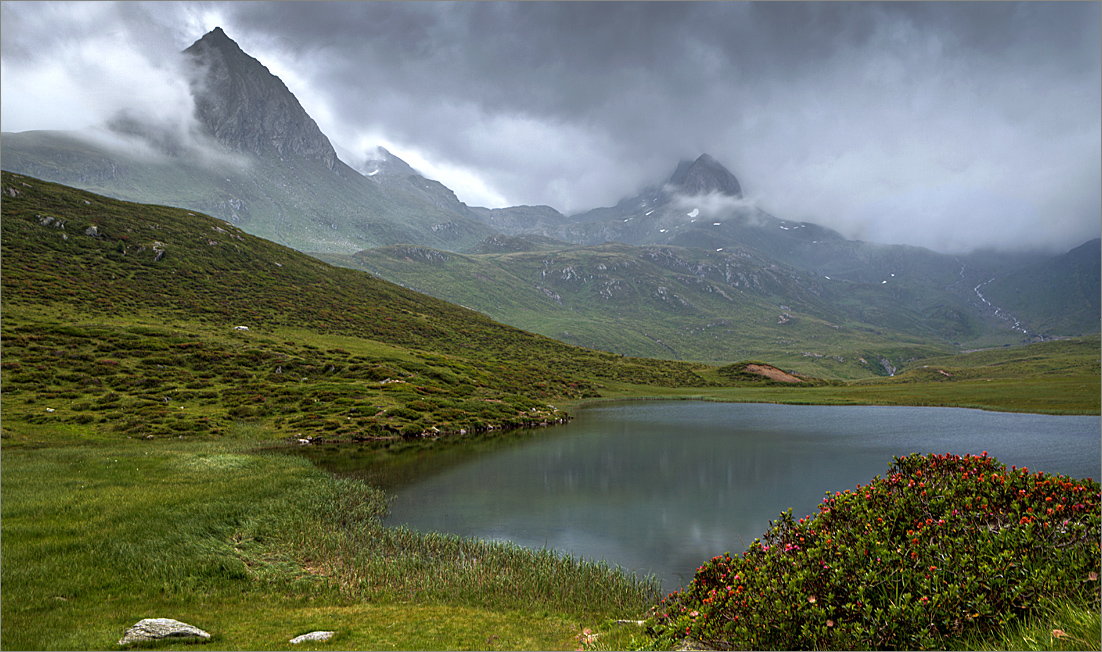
(660, 487)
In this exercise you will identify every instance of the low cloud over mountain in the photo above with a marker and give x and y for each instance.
(947, 125)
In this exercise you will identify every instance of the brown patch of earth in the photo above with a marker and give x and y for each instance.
(772, 373)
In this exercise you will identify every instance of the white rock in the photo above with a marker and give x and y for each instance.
(156, 629)
(312, 636)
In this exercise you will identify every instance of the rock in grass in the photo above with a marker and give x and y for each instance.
(156, 629)
(312, 636)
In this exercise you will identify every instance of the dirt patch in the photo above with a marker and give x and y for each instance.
(772, 373)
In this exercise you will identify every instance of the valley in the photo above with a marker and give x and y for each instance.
(179, 345)
(178, 313)
(688, 269)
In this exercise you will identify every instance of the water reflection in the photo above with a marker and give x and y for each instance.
(661, 487)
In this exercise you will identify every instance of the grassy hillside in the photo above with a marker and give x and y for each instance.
(296, 202)
(690, 304)
(124, 313)
(1029, 292)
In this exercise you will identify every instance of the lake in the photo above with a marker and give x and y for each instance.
(660, 487)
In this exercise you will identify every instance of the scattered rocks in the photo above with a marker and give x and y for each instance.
(318, 636)
(92, 231)
(51, 221)
(156, 629)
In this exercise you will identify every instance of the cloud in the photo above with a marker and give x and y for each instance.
(713, 206)
(881, 120)
(58, 74)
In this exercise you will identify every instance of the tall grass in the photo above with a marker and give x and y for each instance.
(240, 544)
(1061, 625)
(373, 562)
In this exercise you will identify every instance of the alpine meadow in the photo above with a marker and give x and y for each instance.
(181, 315)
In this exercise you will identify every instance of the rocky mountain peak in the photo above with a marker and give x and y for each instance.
(387, 164)
(703, 176)
(247, 108)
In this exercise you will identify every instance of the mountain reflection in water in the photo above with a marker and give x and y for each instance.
(660, 487)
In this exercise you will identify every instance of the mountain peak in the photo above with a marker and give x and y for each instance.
(385, 163)
(703, 176)
(216, 38)
(247, 108)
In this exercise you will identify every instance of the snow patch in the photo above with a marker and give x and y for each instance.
(694, 212)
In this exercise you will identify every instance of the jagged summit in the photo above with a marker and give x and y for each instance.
(703, 176)
(247, 108)
(381, 161)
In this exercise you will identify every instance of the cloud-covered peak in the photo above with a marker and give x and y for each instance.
(704, 176)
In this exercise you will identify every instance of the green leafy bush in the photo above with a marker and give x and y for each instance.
(942, 546)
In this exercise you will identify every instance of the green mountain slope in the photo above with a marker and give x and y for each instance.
(1058, 296)
(294, 201)
(123, 313)
(675, 303)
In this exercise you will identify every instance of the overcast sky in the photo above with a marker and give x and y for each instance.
(944, 125)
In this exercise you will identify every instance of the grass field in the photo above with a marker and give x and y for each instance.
(259, 548)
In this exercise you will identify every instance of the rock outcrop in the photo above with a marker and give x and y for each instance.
(157, 629)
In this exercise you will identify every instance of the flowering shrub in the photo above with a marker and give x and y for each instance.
(940, 546)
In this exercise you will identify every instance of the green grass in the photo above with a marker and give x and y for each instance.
(1061, 625)
(257, 549)
(1061, 377)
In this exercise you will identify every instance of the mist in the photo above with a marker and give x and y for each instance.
(952, 126)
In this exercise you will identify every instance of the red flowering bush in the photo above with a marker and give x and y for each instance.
(940, 546)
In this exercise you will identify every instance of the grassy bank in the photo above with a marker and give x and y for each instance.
(258, 548)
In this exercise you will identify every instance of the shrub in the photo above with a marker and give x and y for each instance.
(942, 546)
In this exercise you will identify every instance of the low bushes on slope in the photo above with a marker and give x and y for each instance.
(940, 547)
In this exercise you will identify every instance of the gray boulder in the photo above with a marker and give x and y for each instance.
(156, 629)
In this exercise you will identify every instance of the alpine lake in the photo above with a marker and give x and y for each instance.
(657, 488)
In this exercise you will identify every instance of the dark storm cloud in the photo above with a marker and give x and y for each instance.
(948, 125)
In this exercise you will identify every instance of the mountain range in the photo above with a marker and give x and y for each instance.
(688, 268)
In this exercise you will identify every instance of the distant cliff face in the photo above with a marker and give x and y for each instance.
(247, 108)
